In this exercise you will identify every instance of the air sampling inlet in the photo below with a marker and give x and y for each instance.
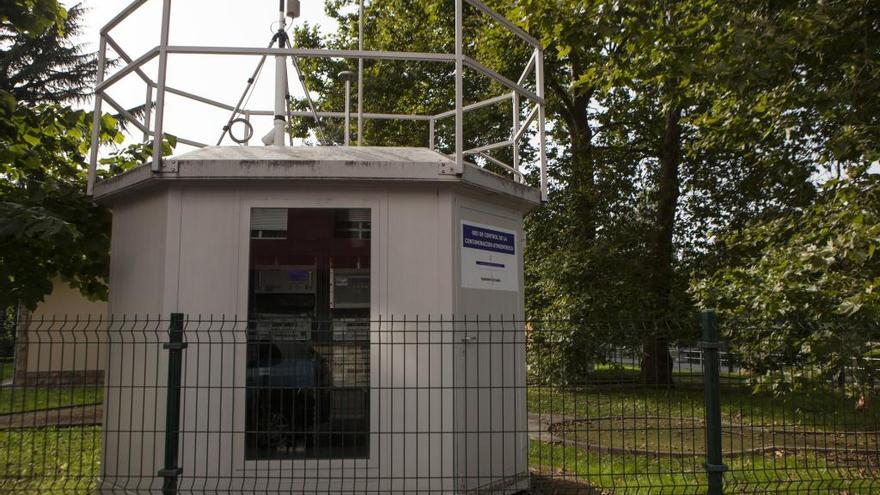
(292, 9)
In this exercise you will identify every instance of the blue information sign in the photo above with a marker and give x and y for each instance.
(475, 237)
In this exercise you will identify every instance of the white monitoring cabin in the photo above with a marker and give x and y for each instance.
(367, 328)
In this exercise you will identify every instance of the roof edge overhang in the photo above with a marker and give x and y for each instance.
(351, 165)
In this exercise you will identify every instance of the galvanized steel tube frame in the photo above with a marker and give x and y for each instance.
(519, 89)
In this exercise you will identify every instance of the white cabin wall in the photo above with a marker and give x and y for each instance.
(137, 255)
(491, 416)
(208, 226)
(134, 405)
(415, 351)
(415, 273)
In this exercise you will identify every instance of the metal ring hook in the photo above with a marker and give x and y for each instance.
(248, 133)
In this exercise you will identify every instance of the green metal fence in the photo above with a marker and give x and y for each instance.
(189, 404)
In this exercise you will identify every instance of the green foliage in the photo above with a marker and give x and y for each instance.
(668, 121)
(695, 117)
(47, 225)
(807, 292)
(6, 369)
(32, 17)
(425, 88)
(626, 66)
(49, 67)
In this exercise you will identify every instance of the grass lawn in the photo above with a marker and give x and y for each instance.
(635, 439)
(828, 411)
(630, 474)
(631, 440)
(50, 460)
(16, 400)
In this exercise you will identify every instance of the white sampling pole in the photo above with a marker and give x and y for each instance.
(281, 88)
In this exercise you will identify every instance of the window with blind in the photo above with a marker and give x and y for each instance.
(268, 223)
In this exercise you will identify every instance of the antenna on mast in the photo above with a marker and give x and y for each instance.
(282, 94)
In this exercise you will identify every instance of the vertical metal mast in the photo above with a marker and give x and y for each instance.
(280, 82)
(360, 82)
(459, 87)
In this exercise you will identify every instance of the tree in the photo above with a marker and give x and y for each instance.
(404, 87)
(49, 67)
(584, 259)
(808, 299)
(639, 93)
(32, 17)
(48, 227)
(804, 285)
(669, 121)
(709, 114)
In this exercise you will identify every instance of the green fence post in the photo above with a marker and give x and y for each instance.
(175, 347)
(712, 397)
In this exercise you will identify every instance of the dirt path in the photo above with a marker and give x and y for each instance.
(539, 427)
(64, 416)
(562, 484)
(92, 414)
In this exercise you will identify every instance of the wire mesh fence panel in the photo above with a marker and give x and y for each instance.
(621, 411)
(51, 406)
(801, 422)
(415, 405)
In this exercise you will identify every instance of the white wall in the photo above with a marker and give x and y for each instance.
(490, 414)
(63, 334)
(134, 403)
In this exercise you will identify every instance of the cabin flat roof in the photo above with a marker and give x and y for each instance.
(314, 153)
(310, 163)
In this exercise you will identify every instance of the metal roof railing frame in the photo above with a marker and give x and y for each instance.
(153, 125)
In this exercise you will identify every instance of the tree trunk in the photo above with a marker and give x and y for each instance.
(656, 361)
(583, 171)
(583, 176)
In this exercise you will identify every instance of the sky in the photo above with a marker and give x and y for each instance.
(234, 23)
